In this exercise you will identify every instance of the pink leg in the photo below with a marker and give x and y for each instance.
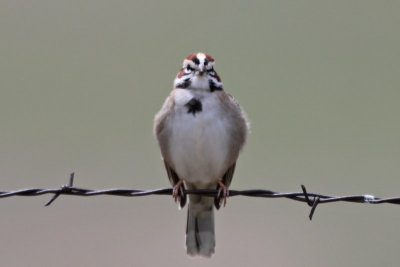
(177, 190)
(223, 189)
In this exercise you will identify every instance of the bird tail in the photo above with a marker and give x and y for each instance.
(200, 233)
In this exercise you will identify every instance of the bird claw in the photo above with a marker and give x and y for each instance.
(178, 191)
(223, 192)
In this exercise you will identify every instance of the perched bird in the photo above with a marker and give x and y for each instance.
(200, 130)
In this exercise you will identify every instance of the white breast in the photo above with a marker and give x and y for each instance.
(198, 144)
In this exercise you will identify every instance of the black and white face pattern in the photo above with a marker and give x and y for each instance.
(198, 73)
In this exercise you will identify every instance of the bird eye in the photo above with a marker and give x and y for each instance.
(188, 69)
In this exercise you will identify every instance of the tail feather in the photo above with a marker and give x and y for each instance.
(200, 233)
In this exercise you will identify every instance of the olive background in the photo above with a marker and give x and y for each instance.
(80, 82)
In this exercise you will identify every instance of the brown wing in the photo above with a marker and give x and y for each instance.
(239, 130)
(161, 133)
(239, 123)
(226, 180)
(173, 178)
(161, 117)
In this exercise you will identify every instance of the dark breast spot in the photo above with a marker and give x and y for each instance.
(194, 106)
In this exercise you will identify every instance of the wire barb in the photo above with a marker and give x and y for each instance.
(312, 203)
(63, 189)
(314, 206)
(311, 199)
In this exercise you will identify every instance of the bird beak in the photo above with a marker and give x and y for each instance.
(201, 70)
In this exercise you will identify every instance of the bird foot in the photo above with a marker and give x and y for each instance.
(178, 191)
(223, 193)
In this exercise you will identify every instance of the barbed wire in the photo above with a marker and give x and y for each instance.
(311, 199)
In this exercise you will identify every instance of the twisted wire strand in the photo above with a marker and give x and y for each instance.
(311, 199)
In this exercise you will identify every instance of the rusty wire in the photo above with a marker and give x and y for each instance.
(311, 199)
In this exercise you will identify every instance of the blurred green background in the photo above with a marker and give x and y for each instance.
(80, 82)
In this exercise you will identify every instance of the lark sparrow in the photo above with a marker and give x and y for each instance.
(200, 130)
